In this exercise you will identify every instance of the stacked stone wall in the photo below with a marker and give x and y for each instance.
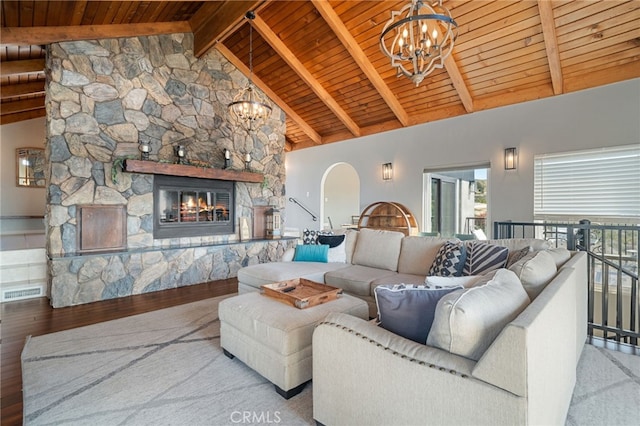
(104, 98)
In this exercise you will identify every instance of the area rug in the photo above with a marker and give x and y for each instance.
(166, 368)
(160, 368)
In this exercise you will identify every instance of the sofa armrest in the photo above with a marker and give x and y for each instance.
(363, 374)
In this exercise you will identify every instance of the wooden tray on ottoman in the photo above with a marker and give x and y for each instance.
(301, 293)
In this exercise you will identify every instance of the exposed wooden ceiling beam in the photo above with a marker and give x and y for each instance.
(24, 66)
(551, 44)
(21, 106)
(458, 83)
(21, 89)
(22, 116)
(288, 56)
(352, 46)
(306, 128)
(47, 35)
(213, 21)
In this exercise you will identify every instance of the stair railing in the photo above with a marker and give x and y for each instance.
(313, 216)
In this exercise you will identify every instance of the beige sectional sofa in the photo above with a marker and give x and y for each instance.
(364, 374)
(373, 257)
(522, 372)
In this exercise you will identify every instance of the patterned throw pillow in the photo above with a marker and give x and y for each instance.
(310, 236)
(515, 255)
(449, 261)
(408, 310)
(483, 257)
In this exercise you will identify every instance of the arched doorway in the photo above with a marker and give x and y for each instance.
(340, 195)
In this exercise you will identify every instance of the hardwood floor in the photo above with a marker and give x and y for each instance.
(36, 317)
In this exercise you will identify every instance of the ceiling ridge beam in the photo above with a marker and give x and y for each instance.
(22, 66)
(353, 48)
(551, 45)
(47, 35)
(288, 56)
(304, 126)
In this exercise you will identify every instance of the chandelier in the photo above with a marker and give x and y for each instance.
(249, 108)
(420, 39)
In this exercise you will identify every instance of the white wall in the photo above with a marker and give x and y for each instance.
(604, 116)
(14, 200)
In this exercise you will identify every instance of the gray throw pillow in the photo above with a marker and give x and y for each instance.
(408, 310)
(482, 257)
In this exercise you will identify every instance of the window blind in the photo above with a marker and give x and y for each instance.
(599, 183)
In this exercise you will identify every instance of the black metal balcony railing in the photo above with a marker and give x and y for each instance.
(612, 267)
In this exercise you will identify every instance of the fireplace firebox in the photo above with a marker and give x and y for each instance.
(191, 207)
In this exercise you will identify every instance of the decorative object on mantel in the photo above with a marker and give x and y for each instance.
(158, 168)
(144, 150)
(245, 231)
(420, 40)
(273, 224)
(181, 154)
(227, 158)
(249, 108)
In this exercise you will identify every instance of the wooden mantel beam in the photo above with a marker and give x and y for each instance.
(47, 35)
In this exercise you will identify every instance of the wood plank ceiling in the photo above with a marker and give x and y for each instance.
(320, 60)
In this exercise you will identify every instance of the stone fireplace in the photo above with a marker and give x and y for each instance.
(105, 97)
(192, 207)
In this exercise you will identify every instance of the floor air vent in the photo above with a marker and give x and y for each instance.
(22, 293)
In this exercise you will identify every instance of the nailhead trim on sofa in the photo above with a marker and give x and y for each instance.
(380, 345)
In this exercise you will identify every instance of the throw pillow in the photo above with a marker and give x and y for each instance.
(535, 271)
(467, 321)
(450, 260)
(408, 310)
(311, 253)
(310, 236)
(482, 257)
(448, 282)
(337, 247)
(515, 255)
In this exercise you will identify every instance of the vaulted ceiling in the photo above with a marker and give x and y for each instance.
(321, 63)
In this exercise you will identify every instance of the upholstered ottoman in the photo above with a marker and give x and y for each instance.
(274, 338)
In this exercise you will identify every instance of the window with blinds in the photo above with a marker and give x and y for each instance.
(593, 184)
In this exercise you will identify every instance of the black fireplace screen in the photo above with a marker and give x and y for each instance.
(188, 207)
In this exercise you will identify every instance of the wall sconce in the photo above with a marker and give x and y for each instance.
(227, 158)
(387, 171)
(247, 161)
(510, 158)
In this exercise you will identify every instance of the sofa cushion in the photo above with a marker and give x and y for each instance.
(350, 243)
(418, 253)
(407, 309)
(467, 321)
(450, 260)
(268, 273)
(560, 255)
(512, 244)
(378, 249)
(311, 253)
(464, 281)
(483, 257)
(535, 271)
(355, 279)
